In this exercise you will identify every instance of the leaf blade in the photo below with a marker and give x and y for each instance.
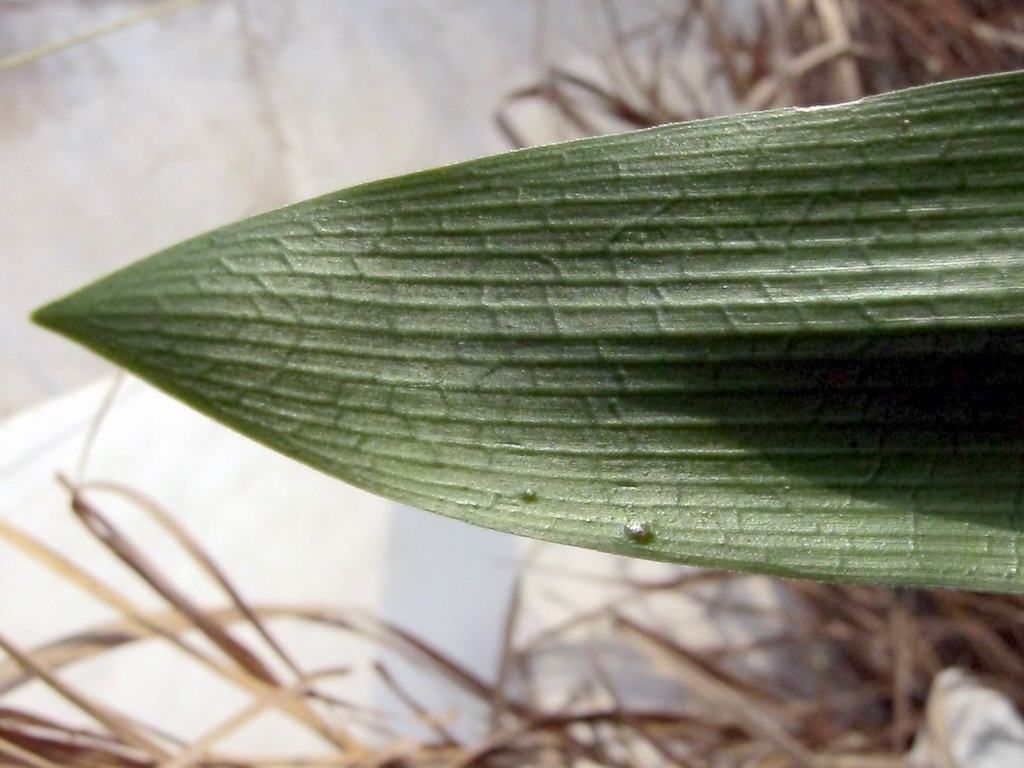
(707, 332)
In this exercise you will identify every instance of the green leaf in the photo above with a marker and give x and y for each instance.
(787, 342)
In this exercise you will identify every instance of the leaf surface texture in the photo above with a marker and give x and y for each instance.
(787, 342)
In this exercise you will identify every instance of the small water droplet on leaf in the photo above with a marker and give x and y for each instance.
(638, 532)
(529, 496)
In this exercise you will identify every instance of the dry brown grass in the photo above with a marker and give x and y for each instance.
(826, 676)
(789, 52)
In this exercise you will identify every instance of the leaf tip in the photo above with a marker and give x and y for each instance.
(65, 316)
(52, 316)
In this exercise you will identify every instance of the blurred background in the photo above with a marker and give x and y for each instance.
(129, 125)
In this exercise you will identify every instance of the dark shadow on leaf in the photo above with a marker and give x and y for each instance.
(930, 423)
